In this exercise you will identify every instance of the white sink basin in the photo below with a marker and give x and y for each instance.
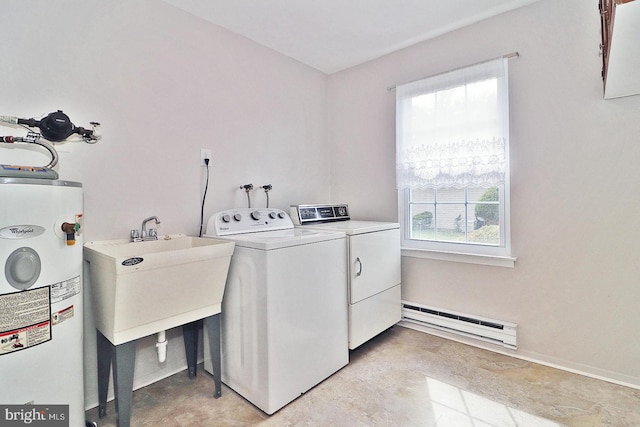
(145, 287)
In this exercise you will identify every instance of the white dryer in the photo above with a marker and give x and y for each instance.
(284, 311)
(373, 267)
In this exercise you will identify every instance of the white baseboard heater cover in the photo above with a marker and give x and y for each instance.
(488, 330)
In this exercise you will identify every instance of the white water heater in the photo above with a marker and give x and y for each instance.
(41, 313)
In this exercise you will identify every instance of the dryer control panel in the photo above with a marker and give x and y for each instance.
(316, 214)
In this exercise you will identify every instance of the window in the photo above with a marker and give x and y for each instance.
(452, 155)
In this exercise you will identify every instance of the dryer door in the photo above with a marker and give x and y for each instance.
(374, 263)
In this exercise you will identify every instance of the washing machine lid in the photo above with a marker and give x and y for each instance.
(352, 227)
(270, 240)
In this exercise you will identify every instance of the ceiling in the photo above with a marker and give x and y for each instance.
(332, 35)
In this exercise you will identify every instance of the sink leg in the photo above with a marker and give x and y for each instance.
(212, 326)
(190, 335)
(124, 359)
(104, 367)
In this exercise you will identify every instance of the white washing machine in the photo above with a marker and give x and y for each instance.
(284, 311)
(41, 314)
(373, 267)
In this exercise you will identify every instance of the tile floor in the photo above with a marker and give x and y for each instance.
(402, 378)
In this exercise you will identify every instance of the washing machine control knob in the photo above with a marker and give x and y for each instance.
(281, 215)
(226, 218)
(255, 215)
(237, 217)
(272, 215)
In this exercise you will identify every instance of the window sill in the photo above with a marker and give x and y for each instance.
(492, 260)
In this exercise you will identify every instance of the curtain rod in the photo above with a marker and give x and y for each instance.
(507, 56)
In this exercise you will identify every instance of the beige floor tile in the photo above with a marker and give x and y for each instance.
(403, 378)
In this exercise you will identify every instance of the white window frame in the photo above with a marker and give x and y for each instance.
(499, 256)
(495, 255)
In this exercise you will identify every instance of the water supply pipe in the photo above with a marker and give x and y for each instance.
(247, 188)
(34, 138)
(161, 346)
(266, 189)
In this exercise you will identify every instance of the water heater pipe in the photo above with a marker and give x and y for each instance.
(33, 138)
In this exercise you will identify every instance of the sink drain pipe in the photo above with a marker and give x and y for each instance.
(161, 346)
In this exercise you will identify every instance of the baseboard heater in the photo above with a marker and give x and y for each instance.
(489, 330)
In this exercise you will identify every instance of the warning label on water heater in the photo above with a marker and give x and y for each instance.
(62, 315)
(25, 319)
(65, 289)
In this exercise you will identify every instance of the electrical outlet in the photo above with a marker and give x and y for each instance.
(205, 154)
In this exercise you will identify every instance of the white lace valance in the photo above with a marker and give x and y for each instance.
(457, 164)
(452, 129)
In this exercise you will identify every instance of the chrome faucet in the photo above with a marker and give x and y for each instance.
(143, 235)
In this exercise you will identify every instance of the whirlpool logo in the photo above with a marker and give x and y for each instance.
(132, 261)
(21, 231)
(34, 415)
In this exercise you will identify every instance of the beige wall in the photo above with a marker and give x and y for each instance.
(164, 85)
(574, 169)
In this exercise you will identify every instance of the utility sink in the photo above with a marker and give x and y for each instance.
(145, 287)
